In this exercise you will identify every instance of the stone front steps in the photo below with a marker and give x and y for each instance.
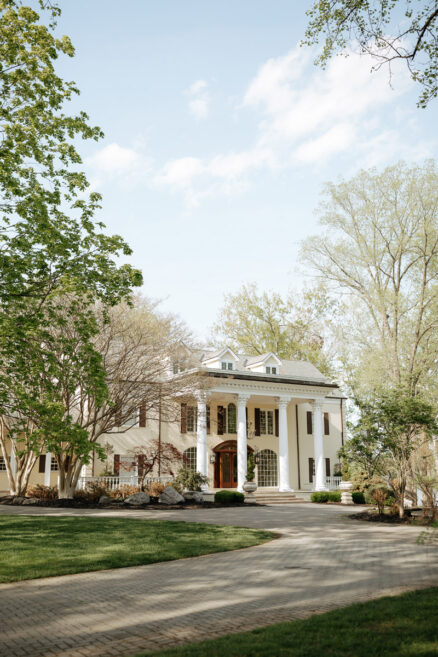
(276, 498)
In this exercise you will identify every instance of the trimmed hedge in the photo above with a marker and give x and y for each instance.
(229, 497)
(321, 497)
(358, 497)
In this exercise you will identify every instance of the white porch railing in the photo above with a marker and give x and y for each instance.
(332, 483)
(112, 482)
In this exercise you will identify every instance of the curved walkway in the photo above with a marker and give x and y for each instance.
(322, 560)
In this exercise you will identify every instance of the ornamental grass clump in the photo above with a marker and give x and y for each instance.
(44, 493)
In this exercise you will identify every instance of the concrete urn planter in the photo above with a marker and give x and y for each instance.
(250, 486)
(345, 488)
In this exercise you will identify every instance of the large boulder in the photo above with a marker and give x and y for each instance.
(170, 496)
(138, 499)
(104, 500)
(193, 496)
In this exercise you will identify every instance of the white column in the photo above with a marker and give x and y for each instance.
(283, 444)
(242, 450)
(201, 436)
(47, 469)
(318, 445)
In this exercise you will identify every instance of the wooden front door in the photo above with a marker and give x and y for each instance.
(227, 470)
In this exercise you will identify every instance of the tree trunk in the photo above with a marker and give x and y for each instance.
(68, 479)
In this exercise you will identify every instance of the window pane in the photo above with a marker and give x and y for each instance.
(263, 422)
(53, 464)
(268, 370)
(190, 418)
(224, 366)
(232, 419)
(267, 468)
(230, 366)
(270, 415)
(190, 458)
(274, 370)
(2, 463)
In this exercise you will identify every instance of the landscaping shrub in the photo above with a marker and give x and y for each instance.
(334, 496)
(43, 492)
(92, 493)
(155, 488)
(229, 497)
(320, 497)
(189, 479)
(358, 497)
(123, 491)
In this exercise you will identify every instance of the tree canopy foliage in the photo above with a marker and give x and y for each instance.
(393, 426)
(387, 30)
(379, 256)
(254, 322)
(56, 261)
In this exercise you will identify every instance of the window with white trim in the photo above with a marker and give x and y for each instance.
(192, 419)
(267, 469)
(232, 418)
(227, 365)
(270, 369)
(266, 422)
(190, 458)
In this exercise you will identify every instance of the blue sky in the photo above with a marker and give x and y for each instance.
(219, 135)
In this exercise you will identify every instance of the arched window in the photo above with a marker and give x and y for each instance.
(190, 458)
(267, 470)
(232, 418)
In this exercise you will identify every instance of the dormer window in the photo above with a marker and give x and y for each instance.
(271, 370)
(178, 367)
(226, 365)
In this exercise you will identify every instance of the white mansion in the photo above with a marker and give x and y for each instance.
(285, 412)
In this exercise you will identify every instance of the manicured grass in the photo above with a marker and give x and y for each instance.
(400, 626)
(42, 546)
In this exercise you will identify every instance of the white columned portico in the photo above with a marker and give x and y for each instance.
(47, 469)
(242, 454)
(201, 435)
(318, 445)
(283, 444)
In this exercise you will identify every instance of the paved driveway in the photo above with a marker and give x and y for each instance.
(323, 560)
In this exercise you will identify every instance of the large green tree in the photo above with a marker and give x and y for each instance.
(51, 247)
(378, 251)
(393, 426)
(293, 327)
(387, 30)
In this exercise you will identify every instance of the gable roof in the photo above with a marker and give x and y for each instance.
(216, 355)
(262, 358)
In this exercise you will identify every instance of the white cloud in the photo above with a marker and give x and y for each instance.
(198, 99)
(117, 163)
(305, 117)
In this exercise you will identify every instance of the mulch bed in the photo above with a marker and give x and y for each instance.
(390, 518)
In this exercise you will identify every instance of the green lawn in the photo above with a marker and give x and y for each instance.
(42, 546)
(401, 626)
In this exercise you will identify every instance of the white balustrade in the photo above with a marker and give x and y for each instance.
(332, 483)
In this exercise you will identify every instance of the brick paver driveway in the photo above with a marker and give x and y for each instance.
(322, 560)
